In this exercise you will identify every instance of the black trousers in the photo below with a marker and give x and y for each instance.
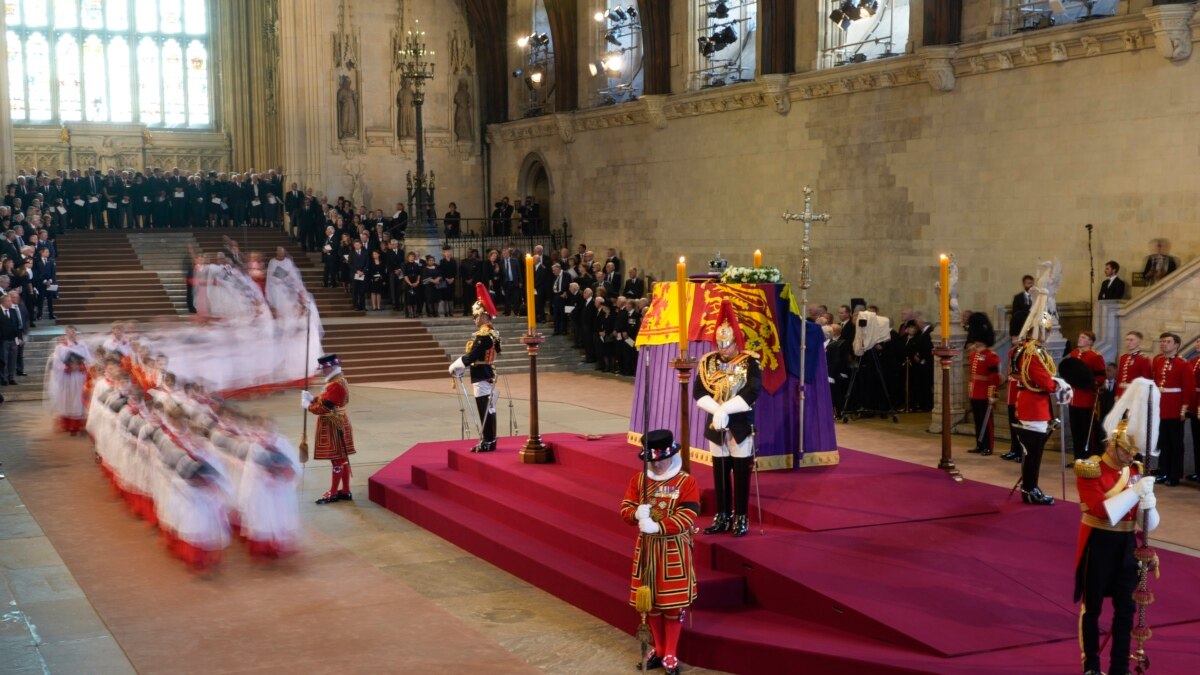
(1013, 444)
(1170, 447)
(1084, 441)
(487, 418)
(1195, 422)
(979, 408)
(731, 481)
(1034, 443)
(1107, 570)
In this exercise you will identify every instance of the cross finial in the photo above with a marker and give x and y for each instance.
(808, 218)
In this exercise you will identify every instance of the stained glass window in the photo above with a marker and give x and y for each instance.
(109, 61)
(37, 73)
(16, 77)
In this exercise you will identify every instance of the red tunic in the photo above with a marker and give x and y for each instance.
(1082, 398)
(1035, 387)
(1196, 389)
(1130, 367)
(674, 504)
(985, 374)
(335, 440)
(1094, 489)
(1174, 379)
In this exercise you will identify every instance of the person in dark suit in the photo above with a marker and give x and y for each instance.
(10, 339)
(1160, 263)
(293, 201)
(360, 261)
(510, 282)
(45, 275)
(393, 262)
(93, 185)
(1112, 288)
(560, 286)
(543, 286)
(612, 258)
(470, 271)
(611, 279)
(331, 253)
(1020, 306)
(635, 287)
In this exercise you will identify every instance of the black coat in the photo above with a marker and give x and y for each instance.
(1020, 312)
(1112, 290)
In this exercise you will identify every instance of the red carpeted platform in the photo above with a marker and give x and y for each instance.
(871, 566)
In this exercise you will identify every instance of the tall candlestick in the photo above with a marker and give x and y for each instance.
(757, 258)
(945, 299)
(681, 287)
(529, 292)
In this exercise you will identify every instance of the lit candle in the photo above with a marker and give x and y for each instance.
(529, 292)
(681, 288)
(757, 258)
(945, 299)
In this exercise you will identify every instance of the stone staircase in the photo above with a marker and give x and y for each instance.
(556, 354)
(101, 280)
(38, 348)
(385, 350)
(165, 252)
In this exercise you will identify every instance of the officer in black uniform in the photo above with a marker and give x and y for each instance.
(480, 358)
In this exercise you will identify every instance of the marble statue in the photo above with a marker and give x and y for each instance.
(406, 124)
(347, 109)
(464, 126)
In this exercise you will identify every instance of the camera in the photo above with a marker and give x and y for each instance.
(872, 330)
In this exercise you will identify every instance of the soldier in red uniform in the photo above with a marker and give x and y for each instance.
(1084, 412)
(1037, 382)
(1116, 500)
(985, 379)
(335, 439)
(663, 502)
(1173, 376)
(1133, 363)
(480, 362)
(1194, 414)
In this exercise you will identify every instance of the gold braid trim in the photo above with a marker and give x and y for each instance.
(1034, 350)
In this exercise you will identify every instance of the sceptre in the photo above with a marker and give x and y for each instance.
(808, 218)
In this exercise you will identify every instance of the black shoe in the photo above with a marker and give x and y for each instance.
(654, 662)
(1195, 477)
(328, 498)
(1160, 479)
(344, 496)
(721, 523)
(976, 450)
(984, 452)
(22, 373)
(1010, 455)
(741, 525)
(1036, 496)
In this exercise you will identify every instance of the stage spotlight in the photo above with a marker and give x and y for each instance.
(616, 14)
(728, 35)
(613, 63)
(537, 74)
(851, 11)
(523, 41)
(868, 7)
(839, 17)
(721, 11)
(632, 12)
(518, 72)
(599, 17)
(541, 40)
(530, 84)
(611, 38)
(595, 67)
(707, 46)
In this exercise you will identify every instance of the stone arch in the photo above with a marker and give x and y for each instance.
(535, 180)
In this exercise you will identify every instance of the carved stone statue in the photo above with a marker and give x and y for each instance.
(464, 125)
(406, 123)
(347, 109)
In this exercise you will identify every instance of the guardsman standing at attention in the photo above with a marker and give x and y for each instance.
(1194, 414)
(985, 380)
(1037, 383)
(1084, 411)
(1133, 363)
(1117, 500)
(481, 355)
(1173, 376)
(663, 501)
(727, 384)
(335, 439)
(1014, 375)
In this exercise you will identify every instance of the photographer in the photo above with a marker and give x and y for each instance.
(872, 336)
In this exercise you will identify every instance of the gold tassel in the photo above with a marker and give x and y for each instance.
(643, 601)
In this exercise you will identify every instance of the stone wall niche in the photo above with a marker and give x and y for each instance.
(1172, 29)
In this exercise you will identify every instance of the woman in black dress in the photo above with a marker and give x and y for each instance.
(376, 279)
(412, 286)
(431, 281)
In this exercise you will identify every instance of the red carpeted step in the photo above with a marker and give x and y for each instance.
(565, 531)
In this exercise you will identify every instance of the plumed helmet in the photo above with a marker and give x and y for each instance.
(1133, 421)
(729, 329)
(658, 444)
(483, 302)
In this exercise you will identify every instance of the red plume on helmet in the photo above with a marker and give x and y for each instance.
(484, 301)
(728, 327)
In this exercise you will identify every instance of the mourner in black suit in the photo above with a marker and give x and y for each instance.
(1112, 288)
(1020, 307)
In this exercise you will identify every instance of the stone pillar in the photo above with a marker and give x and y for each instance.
(958, 391)
(303, 83)
(8, 169)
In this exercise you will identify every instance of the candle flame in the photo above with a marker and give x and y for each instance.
(942, 257)
(680, 260)
(530, 256)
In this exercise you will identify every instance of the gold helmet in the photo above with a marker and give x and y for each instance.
(483, 303)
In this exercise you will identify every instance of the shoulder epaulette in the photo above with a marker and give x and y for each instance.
(1088, 468)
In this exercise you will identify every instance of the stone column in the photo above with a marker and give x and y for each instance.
(303, 84)
(8, 169)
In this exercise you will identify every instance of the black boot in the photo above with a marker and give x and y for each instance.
(654, 662)
(1036, 496)
(721, 484)
(1011, 455)
(742, 466)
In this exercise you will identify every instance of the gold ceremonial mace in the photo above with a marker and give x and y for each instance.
(808, 218)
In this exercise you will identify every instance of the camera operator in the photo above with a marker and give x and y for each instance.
(872, 340)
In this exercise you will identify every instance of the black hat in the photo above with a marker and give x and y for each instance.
(329, 361)
(658, 444)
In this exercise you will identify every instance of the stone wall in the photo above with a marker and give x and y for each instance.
(1000, 160)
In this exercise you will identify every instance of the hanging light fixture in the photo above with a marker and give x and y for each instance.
(523, 41)
(632, 12)
(599, 17)
(616, 14)
(707, 46)
(611, 38)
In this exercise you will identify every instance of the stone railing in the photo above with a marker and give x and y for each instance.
(1171, 305)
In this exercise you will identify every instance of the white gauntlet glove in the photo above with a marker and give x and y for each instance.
(1148, 502)
(648, 526)
(643, 512)
(457, 368)
(306, 399)
(707, 404)
(1064, 393)
(720, 420)
(1144, 486)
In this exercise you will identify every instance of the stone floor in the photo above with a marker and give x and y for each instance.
(85, 589)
